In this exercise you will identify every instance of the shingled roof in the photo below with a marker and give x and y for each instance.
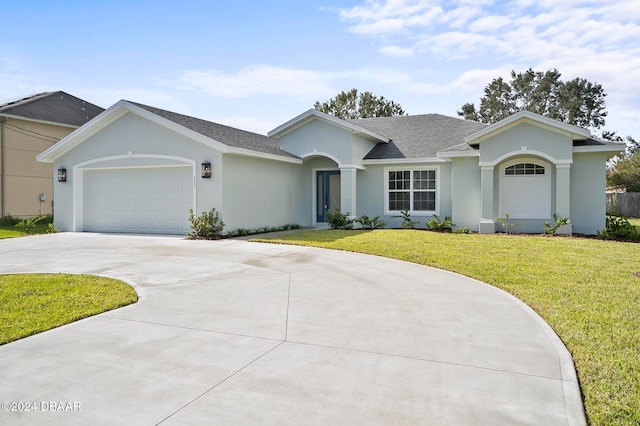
(56, 107)
(419, 136)
(221, 133)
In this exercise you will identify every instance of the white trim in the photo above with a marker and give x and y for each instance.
(404, 161)
(52, 123)
(522, 152)
(529, 117)
(352, 167)
(264, 155)
(322, 154)
(458, 154)
(78, 179)
(312, 114)
(563, 166)
(386, 171)
(610, 147)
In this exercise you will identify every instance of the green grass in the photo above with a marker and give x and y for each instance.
(586, 289)
(11, 231)
(32, 303)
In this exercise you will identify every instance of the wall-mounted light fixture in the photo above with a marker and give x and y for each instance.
(62, 174)
(206, 170)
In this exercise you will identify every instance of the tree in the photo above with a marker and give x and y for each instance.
(625, 168)
(577, 101)
(351, 105)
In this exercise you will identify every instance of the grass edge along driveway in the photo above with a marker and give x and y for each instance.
(587, 290)
(32, 303)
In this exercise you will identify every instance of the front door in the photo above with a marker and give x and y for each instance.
(328, 193)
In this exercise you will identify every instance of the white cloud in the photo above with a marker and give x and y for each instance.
(258, 80)
(594, 39)
(392, 17)
(396, 51)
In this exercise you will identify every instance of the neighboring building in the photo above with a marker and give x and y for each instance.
(27, 127)
(136, 168)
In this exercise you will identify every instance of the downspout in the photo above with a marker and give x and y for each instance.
(2, 162)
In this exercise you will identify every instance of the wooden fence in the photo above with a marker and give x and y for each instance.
(624, 203)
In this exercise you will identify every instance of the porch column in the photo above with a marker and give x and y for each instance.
(348, 190)
(487, 224)
(563, 195)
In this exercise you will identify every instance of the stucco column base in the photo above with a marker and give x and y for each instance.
(487, 227)
(565, 230)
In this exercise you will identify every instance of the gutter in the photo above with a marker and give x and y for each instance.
(2, 168)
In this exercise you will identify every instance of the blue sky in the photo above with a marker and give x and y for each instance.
(257, 64)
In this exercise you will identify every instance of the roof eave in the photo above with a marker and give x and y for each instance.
(609, 147)
(53, 123)
(403, 160)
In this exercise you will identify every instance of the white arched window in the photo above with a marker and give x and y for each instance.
(525, 189)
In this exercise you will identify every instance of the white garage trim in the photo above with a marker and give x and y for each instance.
(91, 165)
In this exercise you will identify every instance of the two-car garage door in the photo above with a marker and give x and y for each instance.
(138, 200)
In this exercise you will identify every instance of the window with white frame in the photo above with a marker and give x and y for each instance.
(413, 190)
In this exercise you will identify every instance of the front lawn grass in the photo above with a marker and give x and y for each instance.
(588, 290)
(10, 231)
(32, 303)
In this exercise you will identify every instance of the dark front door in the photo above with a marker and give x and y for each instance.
(328, 193)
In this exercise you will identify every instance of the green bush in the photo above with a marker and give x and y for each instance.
(242, 232)
(9, 220)
(435, 224)
(207, 226)
(619, 228)
(29, 224)
(407, 223)
(508, 227)
(464, 230)
(338, 220)
(374, 223)
(550, 229)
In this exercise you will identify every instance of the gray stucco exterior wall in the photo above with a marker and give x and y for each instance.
(258, 192)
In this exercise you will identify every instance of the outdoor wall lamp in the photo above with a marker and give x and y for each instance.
(206, 170)
(62, 174)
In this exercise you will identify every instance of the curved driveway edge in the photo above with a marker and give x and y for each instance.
(233, 332)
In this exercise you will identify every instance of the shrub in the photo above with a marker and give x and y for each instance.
(407, 223)
(464, 230)
(207, 226)
(619, 228)
(242, 232)
(29, 224)
(508, 227)
(338, 220)
(51, 229)
(9, 220)
(550, 229)
(368, 223)
(435, 224)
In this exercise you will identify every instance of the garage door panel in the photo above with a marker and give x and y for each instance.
(150, 200)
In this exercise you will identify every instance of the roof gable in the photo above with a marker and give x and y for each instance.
(222, 138)
(575, 132)
(314, 114)
(52, 107)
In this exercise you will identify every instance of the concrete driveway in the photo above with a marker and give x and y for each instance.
(233, 332)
